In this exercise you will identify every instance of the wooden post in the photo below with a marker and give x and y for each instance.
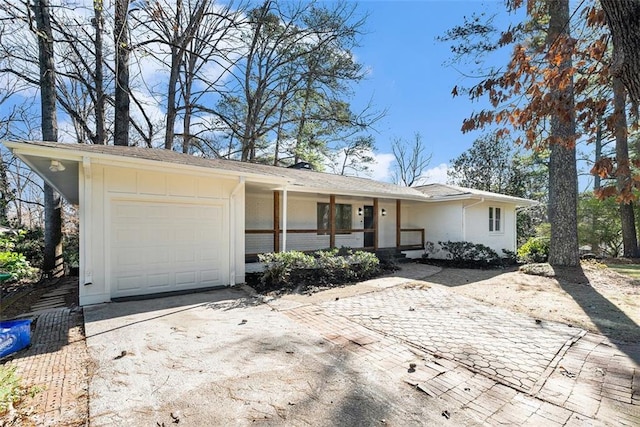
(376, 214)
(332, 221)
(398, 223)
(276, 221)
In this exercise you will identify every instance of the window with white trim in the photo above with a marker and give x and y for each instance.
(495, 219)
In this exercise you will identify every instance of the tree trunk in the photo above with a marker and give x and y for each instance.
(623, 175)
(623, 17)
(189, 76)
(302, 122)
(597, 181)
(4, 193)
(279, 134)
(176, 58)
(53, 265)
(99, 76)
(122, 101)
(563, 174)
(171, 99)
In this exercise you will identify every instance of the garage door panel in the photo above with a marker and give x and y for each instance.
(211, 255)
(159, 256)
(210, 232)
(159, 280)
(186, 255)
(159, 247)
(186, 235)
(128, 236)
(129, 257)
(130, 283)
(187, 213)
(126, 212)
(185, 278)
(150, 234)
(210, 276)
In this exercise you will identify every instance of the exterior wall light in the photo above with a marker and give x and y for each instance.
(359, 211)
(383, 212)
(56, 166)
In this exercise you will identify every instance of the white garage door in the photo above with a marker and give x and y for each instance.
(162, 247)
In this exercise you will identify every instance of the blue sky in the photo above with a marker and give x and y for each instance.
(409, 78)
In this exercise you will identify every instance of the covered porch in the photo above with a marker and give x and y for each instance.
(283, 219)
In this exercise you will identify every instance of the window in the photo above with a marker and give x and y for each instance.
(495, 216)
(342, 218)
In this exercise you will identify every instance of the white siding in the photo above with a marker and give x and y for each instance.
(477, 226)
(452, 221)
(442, 221)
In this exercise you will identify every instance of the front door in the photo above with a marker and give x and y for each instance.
(369, 236)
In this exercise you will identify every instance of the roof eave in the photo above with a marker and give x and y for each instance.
(491, 198)
(70, 154)
(355, 193)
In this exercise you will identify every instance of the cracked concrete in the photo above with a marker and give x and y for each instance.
(219, 359)
(387, 352)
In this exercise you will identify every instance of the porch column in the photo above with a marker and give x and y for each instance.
(284, 219)
(376, 214)
(276, 221)
(332, 221)
(86, 227)
(398, 223)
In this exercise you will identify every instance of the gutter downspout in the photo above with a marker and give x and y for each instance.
(464, 217)
(232, 231)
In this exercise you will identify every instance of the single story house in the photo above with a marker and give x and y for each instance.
(154, 221)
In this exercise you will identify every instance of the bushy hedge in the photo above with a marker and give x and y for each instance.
(295, 269)
(468, 254)
(13, 262)
(535, 250)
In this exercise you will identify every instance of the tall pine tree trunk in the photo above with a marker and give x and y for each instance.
(623, 17)
(122, 101)
(597, 181)
(53, 265)
(563, 174)
(627, 216)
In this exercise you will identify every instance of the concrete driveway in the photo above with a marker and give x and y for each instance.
(392, 351)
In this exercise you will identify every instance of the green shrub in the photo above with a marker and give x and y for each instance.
(430, 249)
(333, 266)
(535, 250)
(279, 265)
(17, 265)
(71, 250)
(365, 264)
(29, 243)
(467, 252)
(12, 261)
(509, 257)
(11, 391)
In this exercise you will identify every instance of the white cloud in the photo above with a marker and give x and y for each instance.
(66, 131)
(381, 168)
(435, 175)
